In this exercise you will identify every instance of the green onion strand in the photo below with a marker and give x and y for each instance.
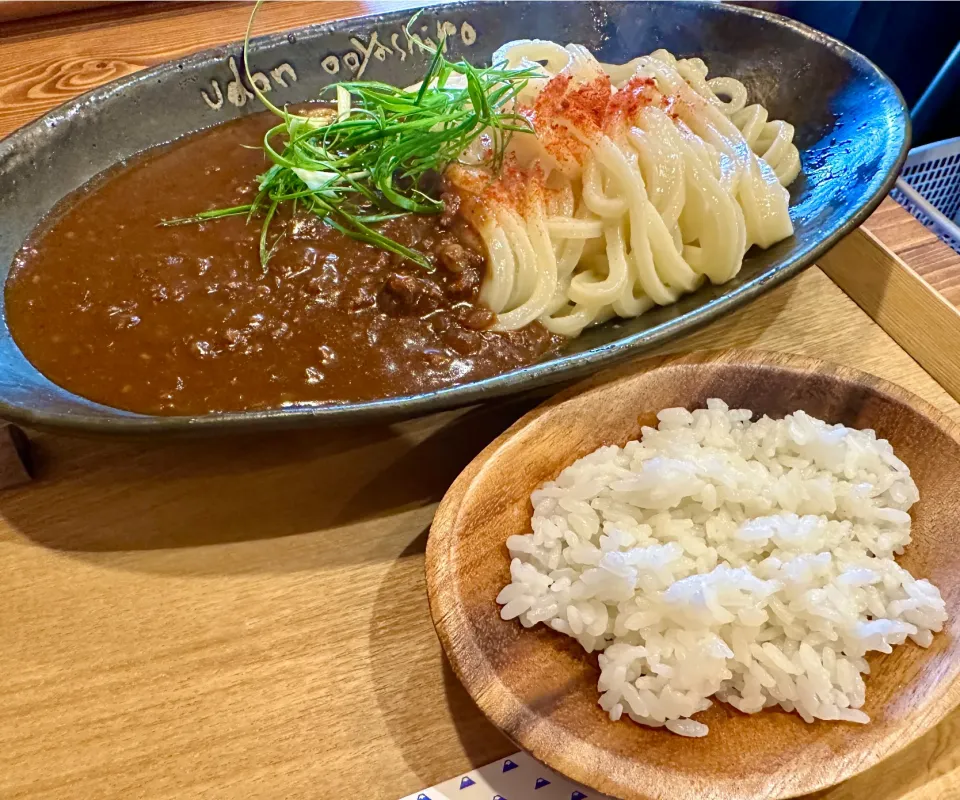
(377, 161)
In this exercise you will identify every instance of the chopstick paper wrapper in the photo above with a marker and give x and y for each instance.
(518, 777)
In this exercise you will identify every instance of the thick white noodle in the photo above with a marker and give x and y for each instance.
(671, 197)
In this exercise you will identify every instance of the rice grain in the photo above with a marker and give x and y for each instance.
(716, 557)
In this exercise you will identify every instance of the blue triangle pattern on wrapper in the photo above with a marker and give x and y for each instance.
(422, 796)
(541, 782)
(507, 766)
(577, 795)
(499, 797)
(466, 782)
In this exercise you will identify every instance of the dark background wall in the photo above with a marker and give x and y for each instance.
(910, 41)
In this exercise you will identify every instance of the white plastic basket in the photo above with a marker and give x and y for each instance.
(929, 188)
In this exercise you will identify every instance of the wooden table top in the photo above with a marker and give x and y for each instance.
(936, 262)
(247, 618)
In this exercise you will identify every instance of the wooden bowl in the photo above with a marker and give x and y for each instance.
(540, 688)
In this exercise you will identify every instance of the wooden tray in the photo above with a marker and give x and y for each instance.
(248, 618)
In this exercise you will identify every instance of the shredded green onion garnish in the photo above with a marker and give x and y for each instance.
(374, 158)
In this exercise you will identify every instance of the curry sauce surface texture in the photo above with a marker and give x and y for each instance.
(112, 305)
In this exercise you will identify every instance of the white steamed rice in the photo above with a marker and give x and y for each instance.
(718, 557)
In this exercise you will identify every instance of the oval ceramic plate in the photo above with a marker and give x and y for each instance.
(851, 128)
(540, 687)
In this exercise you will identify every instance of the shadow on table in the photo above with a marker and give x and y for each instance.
(418, 695)
(123, 497)
(112, 496)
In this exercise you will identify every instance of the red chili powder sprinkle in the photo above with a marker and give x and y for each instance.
(561, 104)
(471, 179)
(676, 107)
(583, 106)
(627, 101)
(514, 186)
(511, 185)
(592, 107)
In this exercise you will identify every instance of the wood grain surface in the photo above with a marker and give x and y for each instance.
(29, 9)
(917, 316)
(248, 619)
(937, 263)
(47, 61)
(540, 688)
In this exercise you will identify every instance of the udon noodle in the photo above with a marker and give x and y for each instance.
(640, 181)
